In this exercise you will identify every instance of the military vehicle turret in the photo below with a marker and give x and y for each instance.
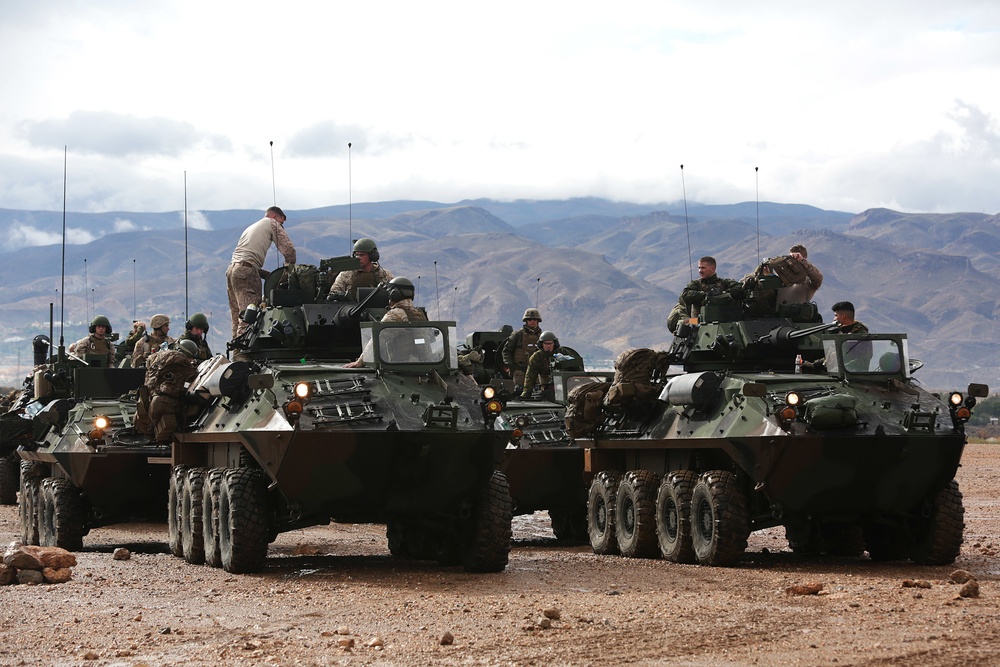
(856, 457)
(291, 438)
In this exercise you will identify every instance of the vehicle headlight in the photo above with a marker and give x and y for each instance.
(303, 390)
(793, 398)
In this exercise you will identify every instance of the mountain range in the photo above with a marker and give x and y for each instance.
(604, 274)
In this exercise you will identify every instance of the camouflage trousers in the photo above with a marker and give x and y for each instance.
(243, 286)
(165, 413)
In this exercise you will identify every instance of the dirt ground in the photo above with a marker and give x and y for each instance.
(326, 588)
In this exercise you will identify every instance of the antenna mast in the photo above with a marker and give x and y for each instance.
(86, 289)
(186, 244)
(133, 289)
(274, 198)
(687, 225)
(350, 216)
(756, 179)
(437, 288)
(62, 284)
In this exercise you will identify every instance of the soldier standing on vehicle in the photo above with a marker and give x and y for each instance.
(401, 309)
(152, 342)
(803, 290)
(166, 380)
(196, 330)
(97, 343)
(540, 366)
(127, 347)
(521, 345)
(246, 269)
(369, 274)
(692, 297)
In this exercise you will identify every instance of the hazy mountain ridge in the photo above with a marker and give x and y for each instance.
(603, 283)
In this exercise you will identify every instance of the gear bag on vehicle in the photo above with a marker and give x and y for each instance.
(585, 408)
(634, 375)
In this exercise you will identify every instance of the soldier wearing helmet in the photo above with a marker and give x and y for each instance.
(97, 343)
(540, 366)
(196, 330)
(247, 268)
(167, 376)
(126, 348)
(521, 345)
(369, 274)
(153, 341)
(401, 309)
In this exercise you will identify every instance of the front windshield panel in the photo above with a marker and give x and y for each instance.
(872, 356)
(411, 345)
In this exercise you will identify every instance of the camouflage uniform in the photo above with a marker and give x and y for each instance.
(853, 328)
(539, 371)
(149, 345)
(166, 377)
(126, 348)
(244, 273)
(92, 345)
(203, 350)
(348, 282)
(399, 311)
(521, 345)
(694, 295)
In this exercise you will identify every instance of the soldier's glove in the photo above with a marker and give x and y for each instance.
(263, 273)
(738, 293)
(714, 291)
(518, 389)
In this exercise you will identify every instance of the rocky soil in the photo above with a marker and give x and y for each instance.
(333, 596)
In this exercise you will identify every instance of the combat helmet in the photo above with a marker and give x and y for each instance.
(197, 320)
(401, 288)
(158, 320)
(531, 313)
(366, 245)
(548, 335)
(100, 321)
(188, 347)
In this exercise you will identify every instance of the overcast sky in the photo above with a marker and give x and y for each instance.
(847, 105)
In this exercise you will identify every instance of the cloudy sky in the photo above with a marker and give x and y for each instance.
(845, 105)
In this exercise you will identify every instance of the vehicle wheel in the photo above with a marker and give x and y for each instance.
(941, 540)
(27, 508)
(673, 516)
(720, 523)
(635, 514)
(61, 515)
(210, 516)
(10, 478)
(395, 534)
(243, 520)
(174, 510)
(601, 503)
(569, 524)
(192, 544)
(489, 549)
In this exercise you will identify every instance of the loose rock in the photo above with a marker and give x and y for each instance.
(804, 589)
(121, 554)
(960, 576)
(970, 589)
(447, 639)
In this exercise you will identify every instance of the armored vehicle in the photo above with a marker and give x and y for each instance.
(855, 457)
(84, 465)
(291, 438)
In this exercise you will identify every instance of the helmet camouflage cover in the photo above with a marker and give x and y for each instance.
(532, 313)
(159, 320)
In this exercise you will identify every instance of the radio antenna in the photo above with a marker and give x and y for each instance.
(538, 281)
(62, 284)
(186, 237)
(756, 178)
(454, 300)
(274, 189)
(687, 225)
(133, 289)
(86, 289)
(437, 288)
(350, 216)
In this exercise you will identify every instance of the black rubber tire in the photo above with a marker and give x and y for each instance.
(210, 516)
(941, 539)
(192, 544)
(27, 508)
(635, 514)
(174, 510)
(673, 516)
(569, 524)
(243, 520)
(601, 502)
(61, 515)
(720, 522)
(10, 478)
(395, 535)
(489, 548)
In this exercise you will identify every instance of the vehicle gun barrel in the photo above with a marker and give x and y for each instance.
(784, 334)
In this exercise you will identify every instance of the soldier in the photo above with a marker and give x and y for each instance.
(401, 309)
(246, 270)
(803, 290)
(370, 274)
(693, 296)
(127, 347)
(166, 379)
(843, 314)
(521, 345)
(196, 330)
(540, 366)
(152, 342)
(97, 343)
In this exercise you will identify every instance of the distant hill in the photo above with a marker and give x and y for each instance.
(605, 277)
